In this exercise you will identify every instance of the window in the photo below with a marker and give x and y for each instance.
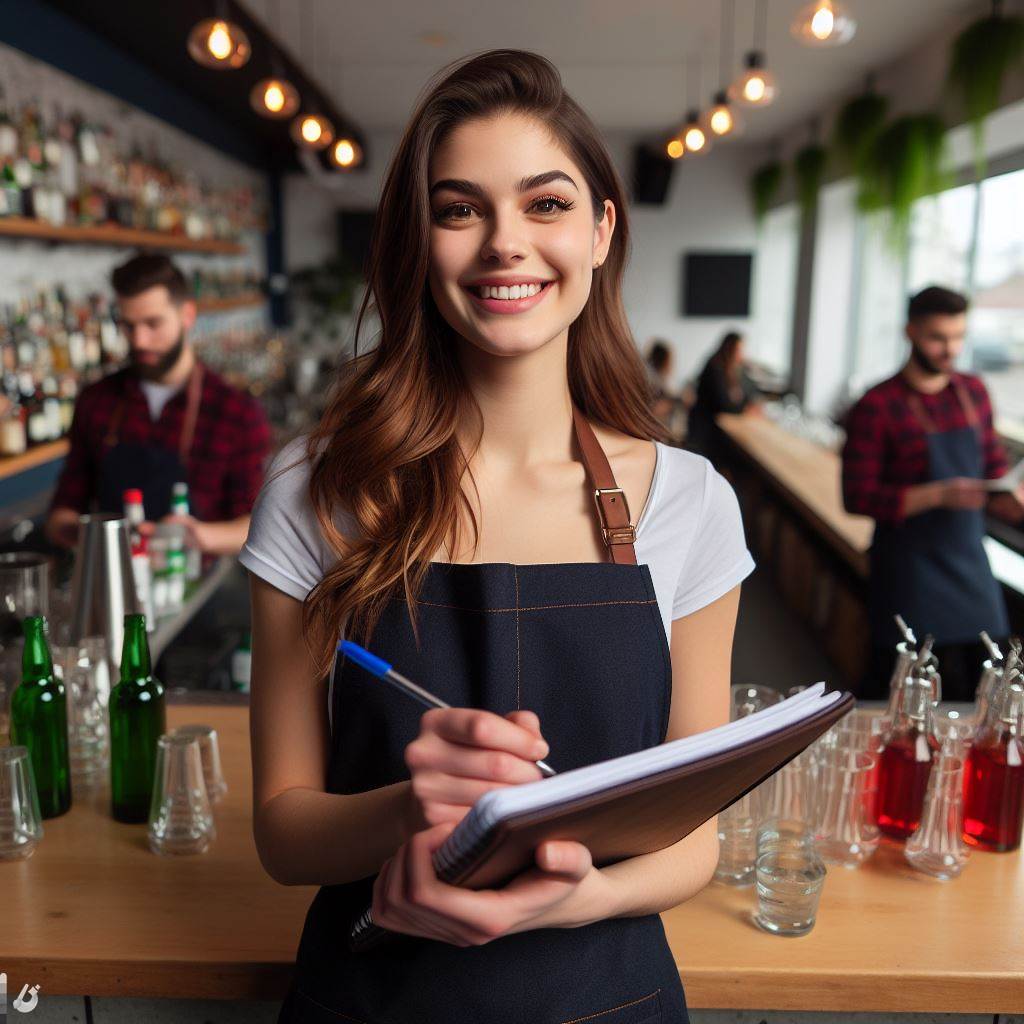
(771, 337)
(996, 322)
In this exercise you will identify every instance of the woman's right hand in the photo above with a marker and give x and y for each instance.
(462, 753)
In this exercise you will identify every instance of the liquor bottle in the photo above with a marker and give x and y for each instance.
(180, 507)
(134, 512)
(39, 720)
(138, 719)
(241, 664)
(906, 760)
(994, 778)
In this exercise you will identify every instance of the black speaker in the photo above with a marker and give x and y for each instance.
(652, 173)
(355, 228)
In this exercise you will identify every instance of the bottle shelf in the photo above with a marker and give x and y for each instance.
(43, 453)
(114, 235)
(223, 305)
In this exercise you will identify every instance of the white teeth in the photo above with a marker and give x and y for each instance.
(517, 291)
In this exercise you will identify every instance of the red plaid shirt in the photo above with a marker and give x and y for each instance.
(226, 463)
(886, 449)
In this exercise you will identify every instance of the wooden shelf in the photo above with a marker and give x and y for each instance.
(250, 301)
(33, 457)
(112, 234)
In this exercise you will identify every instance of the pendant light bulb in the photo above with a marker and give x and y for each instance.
(695, 139)
(675, 148)
(312, 131)
(823, 23)
(755, 87)
(721, 121)
(274, 97)
(220, 44)
(346, 153)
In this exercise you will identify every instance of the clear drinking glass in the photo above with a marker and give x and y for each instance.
(21, 822)
(209, 753)
(87, 680)
(737, 824)
(937, 847)
(790, 875)
(180, 818)
(847, 833)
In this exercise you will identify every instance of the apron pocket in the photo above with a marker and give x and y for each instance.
(645, 1010)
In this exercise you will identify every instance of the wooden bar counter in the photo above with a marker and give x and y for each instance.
(93, 912)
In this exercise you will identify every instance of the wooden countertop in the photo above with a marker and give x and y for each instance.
(93, 912)
(809, 475)
(11, 464)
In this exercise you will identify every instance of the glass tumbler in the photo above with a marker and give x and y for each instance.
(180, 818)
(21, 822)
(937, 847)
(847, 833)
(209, 753)
(790, 875)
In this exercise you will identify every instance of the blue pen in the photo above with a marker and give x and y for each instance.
(382, 670)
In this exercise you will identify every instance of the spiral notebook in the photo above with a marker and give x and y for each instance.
(628, 805)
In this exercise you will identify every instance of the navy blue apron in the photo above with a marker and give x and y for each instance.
(151, 468)
(582, 644)
(932, 568)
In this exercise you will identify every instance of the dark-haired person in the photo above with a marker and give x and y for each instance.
(163, 418)
(667, 404)
(723, 386)
(919, 447)
(444, 513)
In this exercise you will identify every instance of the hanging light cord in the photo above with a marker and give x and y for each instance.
(761, 31)
(725, 50)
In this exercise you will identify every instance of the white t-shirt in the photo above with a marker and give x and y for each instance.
(158, 395)
(690, 532)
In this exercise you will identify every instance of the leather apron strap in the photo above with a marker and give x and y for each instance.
(618, 531)
(188, 427)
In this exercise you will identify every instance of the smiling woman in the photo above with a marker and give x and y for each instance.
(463, 509)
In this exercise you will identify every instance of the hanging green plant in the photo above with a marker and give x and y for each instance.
(980, 59)
(809, 171)
(905, 163)
(857, 126)
(764, 187)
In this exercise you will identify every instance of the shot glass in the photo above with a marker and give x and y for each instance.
(21, 823)
(209, 754)
(789, 877)
(180, 818)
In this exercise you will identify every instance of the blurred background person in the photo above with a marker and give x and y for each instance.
(723, 386)
(669, 404)
(918, 450)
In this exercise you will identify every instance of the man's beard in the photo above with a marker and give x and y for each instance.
(154, 371)
(924, 363)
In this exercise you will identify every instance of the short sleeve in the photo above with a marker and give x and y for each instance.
(285, 545)
(718, 558)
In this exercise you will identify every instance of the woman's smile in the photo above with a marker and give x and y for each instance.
(504, 299)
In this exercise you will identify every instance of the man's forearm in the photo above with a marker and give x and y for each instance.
(226, 537)
(922, 498)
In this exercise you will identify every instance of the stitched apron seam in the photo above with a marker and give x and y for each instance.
(530, 608)
(591, 1016)
(515, 577)
(336, 1013)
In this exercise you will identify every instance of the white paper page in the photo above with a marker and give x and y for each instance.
(1008, 481)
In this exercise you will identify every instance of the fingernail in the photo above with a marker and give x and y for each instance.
(540, 749)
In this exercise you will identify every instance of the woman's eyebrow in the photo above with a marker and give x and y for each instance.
(525, 184)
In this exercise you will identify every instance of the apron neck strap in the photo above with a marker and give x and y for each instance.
(194, 391)
(617, 530)
(188, 427)
(962, 396)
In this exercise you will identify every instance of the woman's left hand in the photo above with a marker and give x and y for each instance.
(563, 890)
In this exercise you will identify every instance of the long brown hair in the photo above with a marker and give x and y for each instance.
(386, 450)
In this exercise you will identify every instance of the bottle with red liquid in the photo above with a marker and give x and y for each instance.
(994, 776)
(906, 759)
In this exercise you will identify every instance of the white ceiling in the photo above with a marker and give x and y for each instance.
(624, 61)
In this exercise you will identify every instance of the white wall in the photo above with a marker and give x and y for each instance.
(706, 208)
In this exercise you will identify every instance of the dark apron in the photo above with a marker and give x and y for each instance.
(932, 568)
(581, 644)
(151, 468)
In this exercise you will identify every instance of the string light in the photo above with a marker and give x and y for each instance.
(219, 43)
(823, 23)
(755, 87)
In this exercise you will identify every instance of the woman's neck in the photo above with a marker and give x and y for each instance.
(525, 404)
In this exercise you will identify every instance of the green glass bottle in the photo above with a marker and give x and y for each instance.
(138, 718)
(39, 720)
